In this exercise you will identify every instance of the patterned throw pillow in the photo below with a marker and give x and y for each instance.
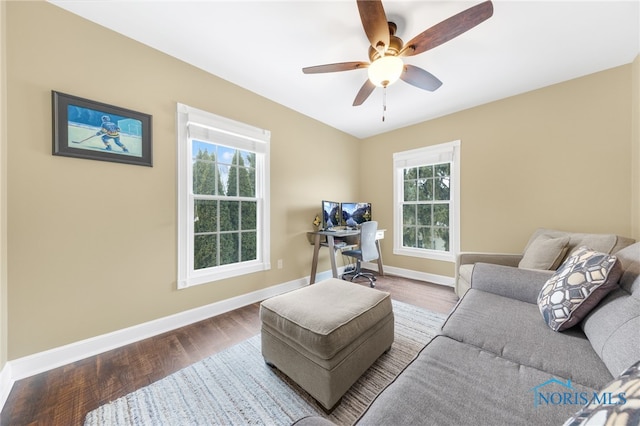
(619, 403)
(577, 287)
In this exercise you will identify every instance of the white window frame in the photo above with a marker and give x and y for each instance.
(436, 154)
(201, 125)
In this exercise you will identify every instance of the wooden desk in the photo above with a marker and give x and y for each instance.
(331, 235)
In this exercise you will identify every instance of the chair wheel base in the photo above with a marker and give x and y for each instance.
(368, 276)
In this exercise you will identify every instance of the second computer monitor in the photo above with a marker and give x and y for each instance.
(354, 214)
(330, 214)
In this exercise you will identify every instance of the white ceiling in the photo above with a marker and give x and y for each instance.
(263, 45)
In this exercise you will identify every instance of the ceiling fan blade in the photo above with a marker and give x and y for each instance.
(448, 29)
(364, 92)
(374, 22)
(420, 78)
(342, 66)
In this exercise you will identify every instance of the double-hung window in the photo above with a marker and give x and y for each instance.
(223, 197)
(426, 201)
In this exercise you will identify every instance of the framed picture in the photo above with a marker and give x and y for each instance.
(97, 131)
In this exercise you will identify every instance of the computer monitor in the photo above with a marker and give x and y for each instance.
(354, 214)
(330, 214)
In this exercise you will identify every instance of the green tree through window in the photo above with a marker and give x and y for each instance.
(225, 205)
(425, 207)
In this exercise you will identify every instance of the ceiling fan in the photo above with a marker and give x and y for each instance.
(387, 49)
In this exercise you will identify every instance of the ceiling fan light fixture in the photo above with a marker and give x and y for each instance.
(385, 71)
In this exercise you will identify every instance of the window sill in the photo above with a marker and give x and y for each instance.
(425, 254)
(222, 273)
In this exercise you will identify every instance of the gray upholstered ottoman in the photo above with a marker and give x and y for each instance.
(326, 335)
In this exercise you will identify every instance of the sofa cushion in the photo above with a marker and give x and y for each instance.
(545, 252)
(577, 286)
(622, 409)
(515, 331)
(452, 383)
(613, 327)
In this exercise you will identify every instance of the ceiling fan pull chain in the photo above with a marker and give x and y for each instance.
(384, 101)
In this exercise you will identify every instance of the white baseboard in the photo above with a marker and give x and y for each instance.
(30, 365)
(6, 383)
(414, 275)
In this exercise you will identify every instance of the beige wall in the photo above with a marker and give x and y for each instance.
(92, 245)
(556, 157)
(3, 189)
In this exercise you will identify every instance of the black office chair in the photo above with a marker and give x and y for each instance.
(367, 252)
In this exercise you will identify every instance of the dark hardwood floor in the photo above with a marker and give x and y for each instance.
(63, 396)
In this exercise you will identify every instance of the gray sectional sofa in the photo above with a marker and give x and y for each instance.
(498, 362)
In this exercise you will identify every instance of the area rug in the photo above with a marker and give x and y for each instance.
(236, 387)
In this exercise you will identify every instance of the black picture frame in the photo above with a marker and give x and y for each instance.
(92, 130)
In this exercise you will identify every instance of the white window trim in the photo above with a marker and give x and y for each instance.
(440, 153)
(237, 135)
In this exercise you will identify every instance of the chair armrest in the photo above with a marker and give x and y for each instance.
(508, 281)
(506, 259)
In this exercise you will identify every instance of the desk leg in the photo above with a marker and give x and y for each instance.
(332, 256)
(380, 271)
(314, 262)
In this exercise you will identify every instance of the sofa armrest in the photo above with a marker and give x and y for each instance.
(508, 281)
(463, 277)
(313, 421)
(506, 259)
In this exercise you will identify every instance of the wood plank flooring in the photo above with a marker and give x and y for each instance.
(64, 396)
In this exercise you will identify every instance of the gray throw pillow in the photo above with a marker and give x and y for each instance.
(577, 287)
(617, 404)
(545, 252)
